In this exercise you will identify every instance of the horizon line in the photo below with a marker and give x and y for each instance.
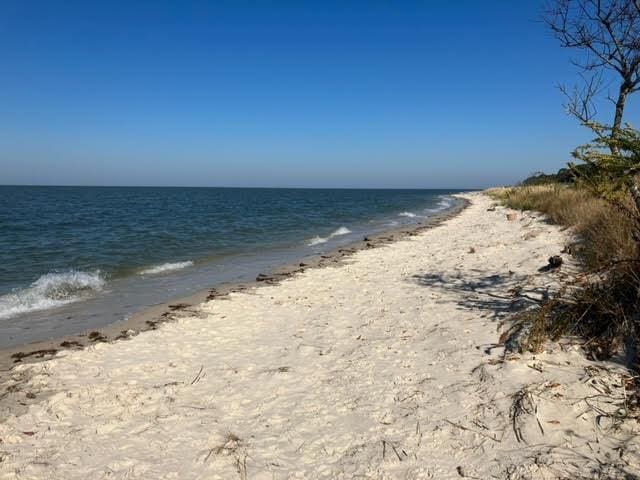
(243, 187)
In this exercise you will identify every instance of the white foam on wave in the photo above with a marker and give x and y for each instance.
(50, 291)
(166, 267)
(317, 241)
(407, 214)
(336, 233)
(340, 231)
(443, 204)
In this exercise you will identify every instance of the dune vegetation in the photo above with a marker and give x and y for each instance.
(602, 303)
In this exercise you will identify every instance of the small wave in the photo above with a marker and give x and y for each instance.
(317, 241)
(50, 291)
(340, 231)
(336, 233)
(407, 214)
(443, 204)
(166, 267)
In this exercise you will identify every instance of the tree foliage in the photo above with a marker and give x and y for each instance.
(610, 162)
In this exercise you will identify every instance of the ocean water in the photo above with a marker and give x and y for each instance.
(73, 258)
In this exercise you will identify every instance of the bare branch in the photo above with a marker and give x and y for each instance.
(580, 99)
(606, 36)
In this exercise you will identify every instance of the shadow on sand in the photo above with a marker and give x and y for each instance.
(498, 295)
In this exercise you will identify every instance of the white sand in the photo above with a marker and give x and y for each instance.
(373, 369)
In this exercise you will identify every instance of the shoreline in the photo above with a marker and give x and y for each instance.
(387, 365)
(152, 317)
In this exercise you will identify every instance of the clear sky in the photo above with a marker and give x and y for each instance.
(280, 93)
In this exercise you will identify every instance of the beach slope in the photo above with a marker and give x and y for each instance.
(384, 366)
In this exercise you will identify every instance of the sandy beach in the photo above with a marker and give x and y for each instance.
(384, 365)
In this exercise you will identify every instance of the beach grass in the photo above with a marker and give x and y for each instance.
(603, 234)
(601, 304)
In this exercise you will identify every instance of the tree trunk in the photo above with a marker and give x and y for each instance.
(620, 104)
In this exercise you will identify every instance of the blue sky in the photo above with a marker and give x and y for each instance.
(287, 93)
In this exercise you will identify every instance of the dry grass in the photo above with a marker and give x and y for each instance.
(605, 307)
(604, 232)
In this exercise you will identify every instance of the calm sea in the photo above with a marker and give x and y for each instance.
(73, 258)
